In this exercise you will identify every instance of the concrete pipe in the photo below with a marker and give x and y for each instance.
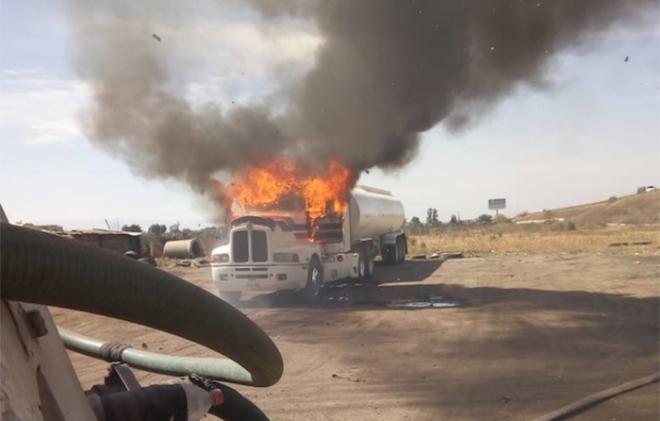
(183, 249)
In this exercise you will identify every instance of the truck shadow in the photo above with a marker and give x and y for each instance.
(374, 292)
(408, 271)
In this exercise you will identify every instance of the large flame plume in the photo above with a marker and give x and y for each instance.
(278, 179)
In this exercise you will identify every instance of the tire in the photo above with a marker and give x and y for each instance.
(369, 262)
(397, 251)
(148, 260)
(402, 249)
(312, 292)
(362, 264)
(232, 297)
(388, 254)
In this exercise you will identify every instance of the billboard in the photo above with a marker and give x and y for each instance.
(495, 204)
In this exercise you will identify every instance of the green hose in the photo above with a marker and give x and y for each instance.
(159, 363)
(45, 269)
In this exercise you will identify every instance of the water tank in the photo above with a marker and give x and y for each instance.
(374, 212)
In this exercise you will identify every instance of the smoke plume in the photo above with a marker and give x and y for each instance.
(386, 71)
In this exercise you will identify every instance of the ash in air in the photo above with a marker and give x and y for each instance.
(386, 71)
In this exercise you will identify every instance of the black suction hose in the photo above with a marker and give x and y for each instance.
(46, 269)
(236, 407)
(576, 407)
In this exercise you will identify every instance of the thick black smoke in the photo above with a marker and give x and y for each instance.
(390, 70)
(387, 71)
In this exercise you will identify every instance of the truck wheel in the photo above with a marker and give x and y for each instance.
(397, 251)
(362, 264)
(232, 297)
(368, 262)
(312, 292)
(401, 247)
(389, 254)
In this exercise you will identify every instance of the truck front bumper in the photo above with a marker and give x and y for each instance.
(287, 277)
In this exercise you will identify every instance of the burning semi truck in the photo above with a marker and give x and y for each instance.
(305, 236)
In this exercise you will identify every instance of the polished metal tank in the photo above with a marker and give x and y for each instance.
(374, 212)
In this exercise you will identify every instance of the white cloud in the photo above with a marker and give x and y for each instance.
(211, 61)
(38, 108)
(226, 61)
(237, 49)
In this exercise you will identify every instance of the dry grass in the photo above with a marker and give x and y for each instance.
(636, 209)
(512, 239)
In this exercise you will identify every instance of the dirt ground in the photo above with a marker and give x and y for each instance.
(527, 336)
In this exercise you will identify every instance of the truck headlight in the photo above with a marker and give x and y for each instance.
(286, 257)
(220, 258)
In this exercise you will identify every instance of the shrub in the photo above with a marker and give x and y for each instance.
(612, 199)
(485, 218)
(501, 219)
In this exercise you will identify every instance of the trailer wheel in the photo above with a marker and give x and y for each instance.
(232, 297)
(368, 261)
(389, 254)
(397, 251)
(402, 249)
(312, 292)
(362, 264)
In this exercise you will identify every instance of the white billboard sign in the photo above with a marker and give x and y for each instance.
(496, 204)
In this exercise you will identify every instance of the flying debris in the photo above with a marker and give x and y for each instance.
(156, 37)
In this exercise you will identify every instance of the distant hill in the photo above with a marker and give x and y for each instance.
(643, 208)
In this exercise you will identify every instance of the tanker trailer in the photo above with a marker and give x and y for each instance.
(267, 252)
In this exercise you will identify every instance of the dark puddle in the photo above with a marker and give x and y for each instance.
(352, 295)
(431, 301)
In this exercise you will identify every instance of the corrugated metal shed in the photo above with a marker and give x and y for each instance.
(117, 241)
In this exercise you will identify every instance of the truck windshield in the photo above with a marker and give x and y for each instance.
(259, 246)
(240, 247)
(289, 204)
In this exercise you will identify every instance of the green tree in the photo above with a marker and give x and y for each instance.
(415, 226)
(501, 219)
(131, 228)
(175, 228)
(157, 229)
(187, 232)
(485, 218)
(432, 217)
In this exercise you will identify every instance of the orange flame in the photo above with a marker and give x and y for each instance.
(277, 179)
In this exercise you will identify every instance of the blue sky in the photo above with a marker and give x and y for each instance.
(595, 134)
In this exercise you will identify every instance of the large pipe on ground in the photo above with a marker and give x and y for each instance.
(183, 249)
(576, 407)
(45, 269)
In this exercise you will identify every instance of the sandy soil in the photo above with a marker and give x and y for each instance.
(529, 334)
